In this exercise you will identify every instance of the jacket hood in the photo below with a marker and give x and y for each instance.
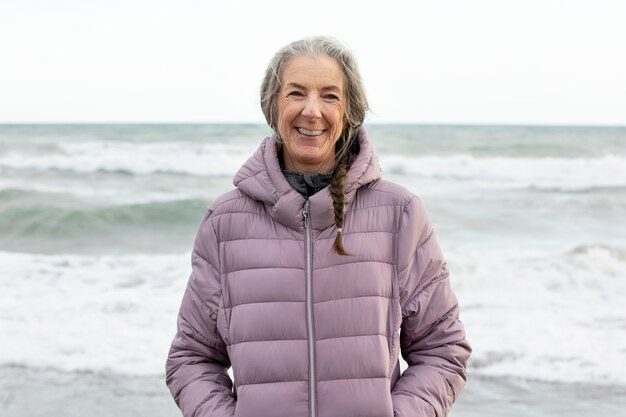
(262, 179)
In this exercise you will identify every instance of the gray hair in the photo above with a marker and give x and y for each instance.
(355, 93)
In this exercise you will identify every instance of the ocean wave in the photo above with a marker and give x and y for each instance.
(213, 159)
(545, 316)
(68, 216)
(598, 254)
(90, 313)
(528, 314)
(113, 194)
(508, 172)
(581, 190)
(127, 158)
(70, 226)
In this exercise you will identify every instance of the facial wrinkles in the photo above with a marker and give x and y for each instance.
(311, 97)
(316, 93)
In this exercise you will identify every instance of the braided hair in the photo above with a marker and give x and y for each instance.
(336, 192)
(346, 151)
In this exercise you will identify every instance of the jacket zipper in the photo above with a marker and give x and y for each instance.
(308, 250)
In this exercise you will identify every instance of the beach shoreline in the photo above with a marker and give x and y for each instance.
(32, 392)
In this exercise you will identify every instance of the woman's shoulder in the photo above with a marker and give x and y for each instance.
(230, 203)
(389, 192)
(226, 202)
(234, 201)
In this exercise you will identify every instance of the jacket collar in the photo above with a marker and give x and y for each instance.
(262, 179)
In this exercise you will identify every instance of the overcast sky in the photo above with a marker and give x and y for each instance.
(479, 61)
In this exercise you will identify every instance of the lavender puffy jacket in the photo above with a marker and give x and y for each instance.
(309, 332)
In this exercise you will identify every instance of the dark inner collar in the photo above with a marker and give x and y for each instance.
(307, 184)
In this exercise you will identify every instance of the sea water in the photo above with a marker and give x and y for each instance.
(97, 223)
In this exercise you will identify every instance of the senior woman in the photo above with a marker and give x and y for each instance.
(314, 273)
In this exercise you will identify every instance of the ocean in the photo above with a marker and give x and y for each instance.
(97, 223)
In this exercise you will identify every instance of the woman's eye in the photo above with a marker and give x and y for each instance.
(331, 97)
(294, 94)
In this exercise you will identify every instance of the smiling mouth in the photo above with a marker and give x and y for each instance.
(307, 132)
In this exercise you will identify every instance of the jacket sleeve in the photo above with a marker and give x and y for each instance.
(432, 339)
(197, 364)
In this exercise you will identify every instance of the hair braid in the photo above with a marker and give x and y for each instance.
(336, 192)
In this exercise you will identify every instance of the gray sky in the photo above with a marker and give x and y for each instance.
(480, 61)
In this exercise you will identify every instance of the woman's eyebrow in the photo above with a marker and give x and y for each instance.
(332, 88)
(296, 85)
(325, 88)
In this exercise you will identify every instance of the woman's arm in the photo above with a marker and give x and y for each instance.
(196, 368)
(432, 339)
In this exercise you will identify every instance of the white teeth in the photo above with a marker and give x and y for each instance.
(309, 132)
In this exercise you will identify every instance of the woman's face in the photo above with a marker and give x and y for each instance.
(311, 110)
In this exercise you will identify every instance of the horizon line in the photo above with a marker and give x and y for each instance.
(172, 123)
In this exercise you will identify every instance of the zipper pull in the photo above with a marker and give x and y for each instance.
(305, 213)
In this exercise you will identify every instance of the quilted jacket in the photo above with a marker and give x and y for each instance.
(307, 332)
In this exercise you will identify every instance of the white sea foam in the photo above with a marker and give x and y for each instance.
(111, 193)
(136, 158)
(507, 172)
(553, 317)
(90, 313)
(217, 159)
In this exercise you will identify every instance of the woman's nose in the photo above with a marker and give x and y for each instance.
(312, 108)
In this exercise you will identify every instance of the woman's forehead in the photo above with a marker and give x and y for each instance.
(306, 70)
